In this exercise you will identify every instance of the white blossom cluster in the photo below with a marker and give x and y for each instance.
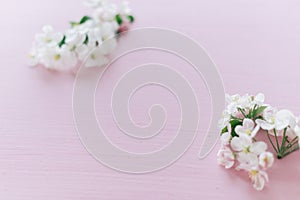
(84, 41)
(241, 122)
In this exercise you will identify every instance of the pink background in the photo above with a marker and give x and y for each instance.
(255, 45)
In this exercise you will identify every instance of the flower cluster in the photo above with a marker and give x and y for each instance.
(242, 121)
(65, 51)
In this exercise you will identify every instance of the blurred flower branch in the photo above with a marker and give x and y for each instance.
(96, 33)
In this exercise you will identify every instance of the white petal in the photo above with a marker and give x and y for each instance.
(258, 183)
(240, 130)
(248, 124)
(247, 160)
(246, 140)
(266, 160)
(255, 131)
(284, 118)
(291, 133)
(108, 46)
(47, 29)
(258, 147)
(225, 137)
(236, 144)
(265, 125)
(259, 98)
(225, 157)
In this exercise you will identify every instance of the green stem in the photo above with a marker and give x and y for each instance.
(291, 144)
(287, 149)
(293, 140)
(282, 148)
(271, 142)
(243, 113)
(275, 134)
(291, 151)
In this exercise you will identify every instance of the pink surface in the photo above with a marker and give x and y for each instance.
(255, 45)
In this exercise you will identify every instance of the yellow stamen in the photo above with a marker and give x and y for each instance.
(73, 48)
(265, 159)
(48, 40)
(247, 149)
(248, 132)
(273, 120)
(57, 57)
(253, 173)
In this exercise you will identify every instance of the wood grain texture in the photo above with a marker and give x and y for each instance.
(255, 45)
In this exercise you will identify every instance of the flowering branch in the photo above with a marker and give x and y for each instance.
(243, 118)
(65, 51)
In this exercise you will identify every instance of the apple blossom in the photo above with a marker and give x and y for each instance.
(240, 124)
(247, 128)
(91, 39)
(266, 160)
(226, 157)
(258, 178)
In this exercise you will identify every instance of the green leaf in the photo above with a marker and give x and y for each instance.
(62, 42)
(233, 124)
(86, 40)
(224, 130)
(131, 18)
(259, 111)
(74, 24)
(84, 19)
(119, 19)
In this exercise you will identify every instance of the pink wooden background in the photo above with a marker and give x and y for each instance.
(255, 44)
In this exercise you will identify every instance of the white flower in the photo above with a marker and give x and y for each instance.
(94, 3)
(109, 12)
(248, 128)
(248, 151)
(90, 41)
(258, 99)
(34, 56)
(244, 143)
(258, 178)
(237, 101)
(48, 37)
(96, 58)
(285, 118)
(58, 58)
(224, 121)
(108, 30)
(294, 130)
(225, 138)
(85, 27)
(243, 102)
(273, 119)
(124, 8)
(225, 157)
(74, 39)
(82, 51)
(108, 46)
(232, 98)
(95, 35)
(106, 11)
(266, 160)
